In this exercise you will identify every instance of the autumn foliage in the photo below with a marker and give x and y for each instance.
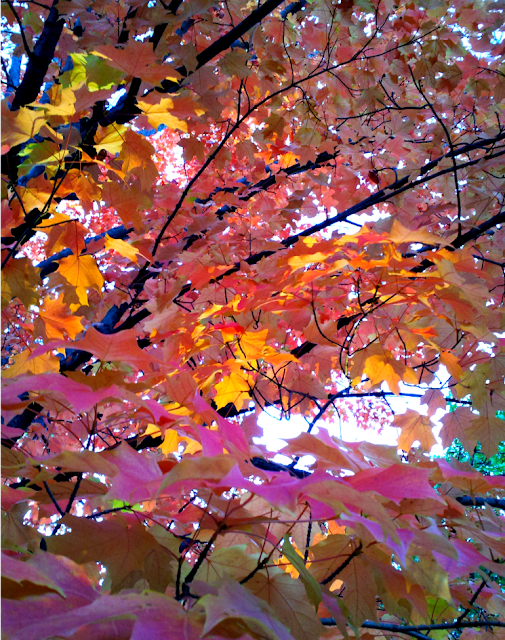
(212, 210)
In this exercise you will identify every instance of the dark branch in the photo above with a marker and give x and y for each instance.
(344, 564)
(224, 42)
(470, 501)
(48, 266)
(40, 60)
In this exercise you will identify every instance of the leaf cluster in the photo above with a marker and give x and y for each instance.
(218, 211)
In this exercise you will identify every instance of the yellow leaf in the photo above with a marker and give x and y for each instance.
(233, 389)
(41, 364)
(123, 248)
(296, 262)
(5, 292)
(83, 185)
(159, 114)
(62, 102)
(110, 138)
(136, 156)
(83, 274)
(56, 320)
(277, 359)
(37, 195)
(379, 369)
(172, 440)
(312, 587)
(19, 126)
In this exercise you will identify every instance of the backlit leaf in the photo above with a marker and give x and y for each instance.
(414, 426)
(83, 274)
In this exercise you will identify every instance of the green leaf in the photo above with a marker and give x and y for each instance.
(312, 587)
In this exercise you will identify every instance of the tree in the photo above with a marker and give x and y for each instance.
(215, 209)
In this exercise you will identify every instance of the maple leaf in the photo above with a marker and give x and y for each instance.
(234, 388)
(62, 102)
(15, 571)
(132, 60)
(234, 63)
(312, 587)
(136, 156)
(232, 561)
(114, 615)
(192, 147)
(116, 347)
(360, 591)
(90, 70)
(288, 599)
(455, 425)
(122, 546)
(172, 440)
(159, 113)
(110, 138)
(83, 186)
(19, 126)
(47, 153)
(452, 364)
(435, 399)
(488, 430)
(326, 452)
(327, 556)
(320, 225)
(123, 248)
(18, 278)
(414, 426)
(236, 602)
(276, 124)
(57, 322)
(384, 368)
(251, 343)
(399, 234)
(25, 362)
(126, 202)
(82, 273)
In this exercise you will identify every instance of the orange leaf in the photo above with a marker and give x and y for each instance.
(57, 321)
(414, 427)
(451, 362)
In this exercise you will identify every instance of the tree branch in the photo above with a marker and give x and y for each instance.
(40, 59)
(344, 564)
(21, 28)
(415, 630)
(48, 266)
(470, 501)
(224, 42)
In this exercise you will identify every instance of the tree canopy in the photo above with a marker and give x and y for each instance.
(212, 210)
